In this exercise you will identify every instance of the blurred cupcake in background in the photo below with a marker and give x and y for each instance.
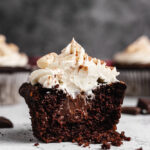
(134, 65)
(14, 70)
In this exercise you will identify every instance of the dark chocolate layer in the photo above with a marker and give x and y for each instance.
(57, 117)
(131, 66)
(10, 70)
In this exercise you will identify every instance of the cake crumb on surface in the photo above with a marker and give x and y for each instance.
(106, 145)
(36, 144)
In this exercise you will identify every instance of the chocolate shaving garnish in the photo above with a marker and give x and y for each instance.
(89, 58)
(95, 61)
(5, 123)
(85, 68)
(100, 80)
(60, 81)
(131, 110)
(102, 61)
(139, 148)
(144, 104)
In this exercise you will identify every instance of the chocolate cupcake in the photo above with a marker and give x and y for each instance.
(74, 97)
(13, 71)
(134, 65)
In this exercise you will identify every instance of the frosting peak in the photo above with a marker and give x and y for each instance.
(73, 48)
(136, 53)
(9, 54)
(73, 70)
(141, 44)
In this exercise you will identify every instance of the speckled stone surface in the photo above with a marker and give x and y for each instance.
(138, 127)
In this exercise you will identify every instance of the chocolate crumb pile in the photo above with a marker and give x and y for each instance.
(114, 138)
(143, 107)
(5, 123)
(105, 145)
(107, 139)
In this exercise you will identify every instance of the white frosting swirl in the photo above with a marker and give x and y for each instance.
(73, 70)
(9, 54)
(136, 53)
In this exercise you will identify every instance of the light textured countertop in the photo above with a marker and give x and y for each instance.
(18, 138)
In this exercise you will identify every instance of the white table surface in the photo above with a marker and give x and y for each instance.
(18, 138)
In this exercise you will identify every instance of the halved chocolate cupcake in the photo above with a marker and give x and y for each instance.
(74, 97)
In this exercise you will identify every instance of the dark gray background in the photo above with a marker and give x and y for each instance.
(103, 27)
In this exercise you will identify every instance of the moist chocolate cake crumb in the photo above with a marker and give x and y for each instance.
(57, 117)
(5, 123)
(131, 110)
(36, 144)
(86, 144)
(105, 145)
(122, 135)
(112, 137)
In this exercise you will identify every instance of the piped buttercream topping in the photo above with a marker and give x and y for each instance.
(73, 70)
(10, 55)
(136, 53)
